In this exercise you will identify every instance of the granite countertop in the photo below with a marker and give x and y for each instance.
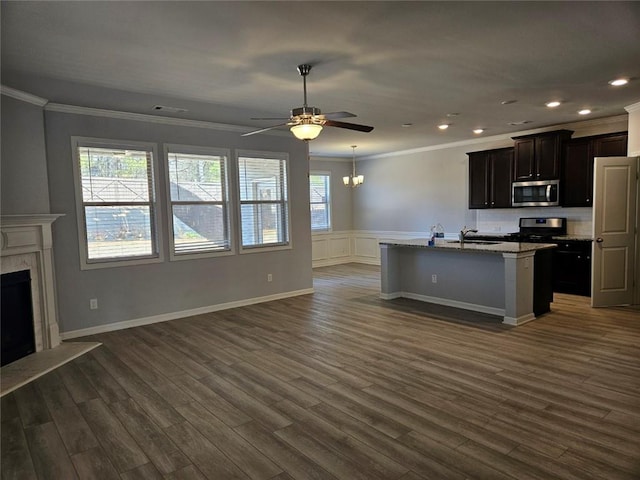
(498, 235)
(470, 246)
(574, 237)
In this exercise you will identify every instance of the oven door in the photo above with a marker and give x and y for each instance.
(543, 193)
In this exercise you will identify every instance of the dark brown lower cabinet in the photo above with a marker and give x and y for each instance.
(572, 267)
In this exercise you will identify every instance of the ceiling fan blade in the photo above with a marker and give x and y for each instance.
(349, 126)
(332, 115)
(264, 129)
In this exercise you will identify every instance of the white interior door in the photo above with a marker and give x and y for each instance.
(614, 225)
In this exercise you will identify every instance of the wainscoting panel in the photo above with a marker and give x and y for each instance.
(351, 246)
(339, 247)
(319, 248)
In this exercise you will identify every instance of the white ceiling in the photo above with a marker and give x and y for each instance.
(388, 62)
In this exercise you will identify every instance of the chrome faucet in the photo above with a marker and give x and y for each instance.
(464, 232)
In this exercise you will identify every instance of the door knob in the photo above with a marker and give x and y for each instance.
(599, 240)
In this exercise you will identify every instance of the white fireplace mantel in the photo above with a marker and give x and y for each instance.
(27, 245)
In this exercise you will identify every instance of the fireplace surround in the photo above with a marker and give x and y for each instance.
(27, 245)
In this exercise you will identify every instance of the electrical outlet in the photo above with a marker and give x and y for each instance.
(93, 304)
(269, 277)
(434, 278)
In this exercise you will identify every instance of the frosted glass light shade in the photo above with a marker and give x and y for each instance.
(306, 131)
(353, 181)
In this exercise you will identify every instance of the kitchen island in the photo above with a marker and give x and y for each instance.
(511, 280)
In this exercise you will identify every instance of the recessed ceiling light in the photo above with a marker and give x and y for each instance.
(443, 126)
(454, 114)
(521, 122)
(508, 102)
(478, 131)
(553, 104)
(584, 111)
(618, 82)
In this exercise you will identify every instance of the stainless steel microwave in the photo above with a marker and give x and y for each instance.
(541, 193)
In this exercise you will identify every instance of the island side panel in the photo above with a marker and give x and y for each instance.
(390, 286)
(518, 271)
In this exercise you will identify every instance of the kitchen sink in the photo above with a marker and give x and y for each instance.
(476, 242)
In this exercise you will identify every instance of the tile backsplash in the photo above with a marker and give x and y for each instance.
(579, 220)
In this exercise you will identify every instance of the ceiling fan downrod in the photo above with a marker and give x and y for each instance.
(304, 70)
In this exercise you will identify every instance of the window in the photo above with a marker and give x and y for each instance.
(116, 202)
(320, 199)
(198, 195)
(264, 206)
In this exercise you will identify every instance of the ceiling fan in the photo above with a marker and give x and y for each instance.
(306, 122)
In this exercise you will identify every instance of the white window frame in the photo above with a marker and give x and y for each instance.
(214, 151)
(284, 157)
(155, 204)
(327, 202)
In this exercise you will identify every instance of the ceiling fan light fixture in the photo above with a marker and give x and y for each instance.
(306, 131)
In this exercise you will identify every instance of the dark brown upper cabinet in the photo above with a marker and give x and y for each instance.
(576, 187)
(538, 156)
(490, 176)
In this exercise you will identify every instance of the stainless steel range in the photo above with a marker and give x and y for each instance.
(541, 229)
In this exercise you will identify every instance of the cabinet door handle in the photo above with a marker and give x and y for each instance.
(599, 240)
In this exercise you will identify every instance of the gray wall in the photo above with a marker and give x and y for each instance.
(410, 192)
(129, 293)
(23, 158)
(341, 196)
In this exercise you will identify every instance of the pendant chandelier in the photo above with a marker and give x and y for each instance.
(353, 180)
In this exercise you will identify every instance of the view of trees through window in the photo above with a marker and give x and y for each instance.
(198, 192)
(319, 192)
(264, 213)
(117, 194)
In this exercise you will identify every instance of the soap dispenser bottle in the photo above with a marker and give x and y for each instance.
(432, 236)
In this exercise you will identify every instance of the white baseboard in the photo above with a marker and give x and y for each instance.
(519, 320)
(137, 322)
(446, 302)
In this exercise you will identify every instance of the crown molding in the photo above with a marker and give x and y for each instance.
(331, 159)
(633, 108)
(142, 117)
(23, 96)
(139, 117)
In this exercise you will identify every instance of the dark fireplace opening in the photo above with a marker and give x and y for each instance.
(18, 336)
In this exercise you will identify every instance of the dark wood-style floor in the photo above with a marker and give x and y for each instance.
(340, 384)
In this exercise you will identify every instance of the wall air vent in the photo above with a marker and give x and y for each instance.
(165, 109)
